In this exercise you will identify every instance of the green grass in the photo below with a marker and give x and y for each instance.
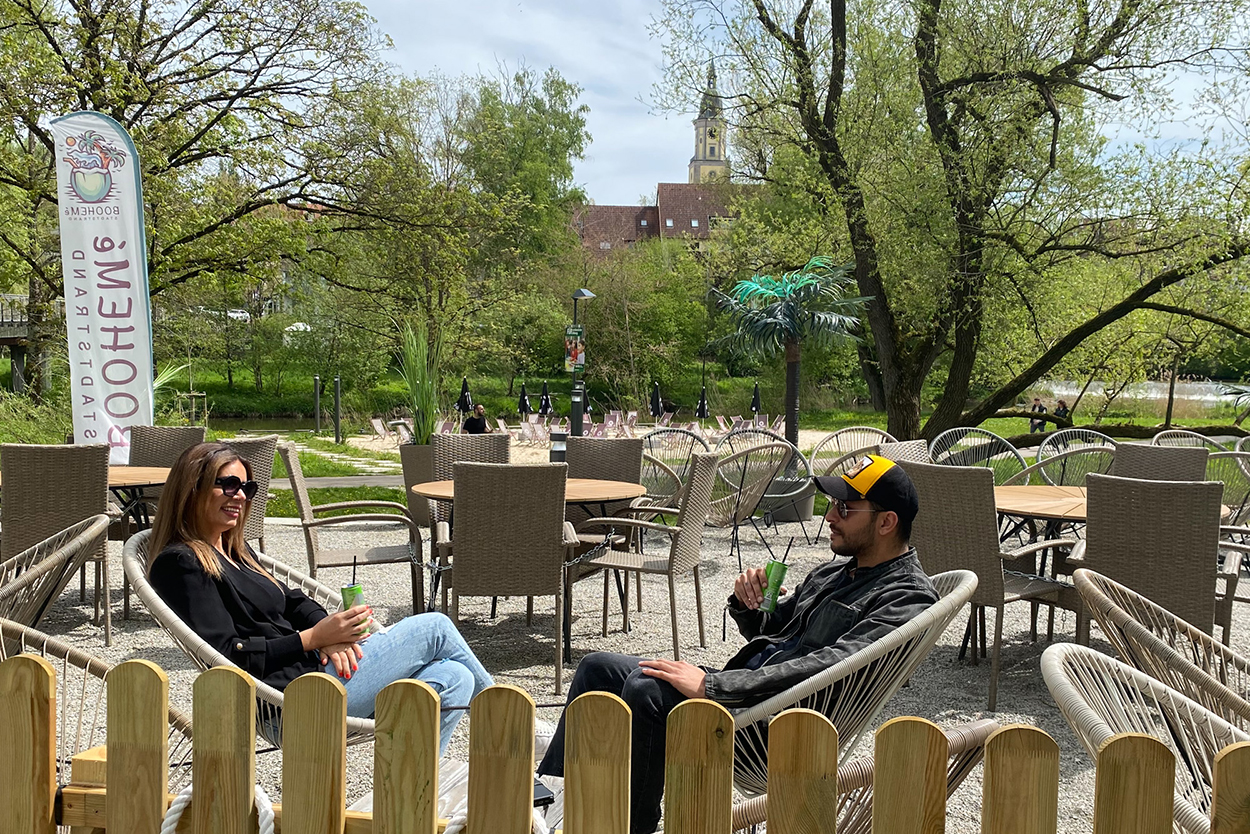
(345, 449)
(316, 466)
(282, 505)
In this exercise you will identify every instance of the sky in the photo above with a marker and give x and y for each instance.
(600, 45)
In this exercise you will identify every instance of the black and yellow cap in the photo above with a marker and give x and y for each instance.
(876, 479)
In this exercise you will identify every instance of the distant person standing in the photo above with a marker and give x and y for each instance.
(1062, 410)
(1036, 425)
(477, 423)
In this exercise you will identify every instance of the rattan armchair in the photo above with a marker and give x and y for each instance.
(450, 449)
(957, 528)
(268, 699)
(1159, 463)
(80, 701)
(1181, 437)
(410, 553)
(854, 813)
(605, 459)
(32, 580)
(1167, 648)
(49, 488)
(686, 537)
(1100, 697)
(511, 538)
(852, 692)
(259, 453)
(1174, 562)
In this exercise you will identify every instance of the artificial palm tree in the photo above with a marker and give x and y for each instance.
(807, 305)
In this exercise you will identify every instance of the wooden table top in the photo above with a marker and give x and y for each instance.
(576, 490)
(121, 477)
(1062, 503)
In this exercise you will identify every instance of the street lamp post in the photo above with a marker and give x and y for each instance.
(577, 399)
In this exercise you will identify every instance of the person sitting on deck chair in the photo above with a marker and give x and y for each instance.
(842, 606)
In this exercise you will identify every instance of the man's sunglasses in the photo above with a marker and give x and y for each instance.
(231, 484)
(844, 511)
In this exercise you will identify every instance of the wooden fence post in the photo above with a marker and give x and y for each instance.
(698, 769)
(28, 744)
(223, 752)
(1020, 791)
(1133, 786)
(314, 755)
(405, 759)
(501, 762)
(137, 769)
(1230, 802)
(909, 778)
(597, 748)
(802, 773)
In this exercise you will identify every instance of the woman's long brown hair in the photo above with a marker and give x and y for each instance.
(180, 517)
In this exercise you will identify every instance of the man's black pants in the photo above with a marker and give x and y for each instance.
(651, 700)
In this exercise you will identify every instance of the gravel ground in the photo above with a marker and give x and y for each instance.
(943, 689)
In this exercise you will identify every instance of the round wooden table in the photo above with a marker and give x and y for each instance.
(129, 477)
(1057, 503)
(576, 491)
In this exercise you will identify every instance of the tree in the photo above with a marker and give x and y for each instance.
(780, 314)
(960, 148)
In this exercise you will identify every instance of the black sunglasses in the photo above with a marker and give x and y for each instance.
(231, 484)
(844, 511)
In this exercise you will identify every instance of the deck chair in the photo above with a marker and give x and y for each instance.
(380, 429)
(1100, 697)
(1161, 644)
(33, 579)
(80, 702)
(852, 692)
(855, 778)
(268, 699)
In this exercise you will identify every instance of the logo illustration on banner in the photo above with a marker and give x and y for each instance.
(108, 315)
(92, 157)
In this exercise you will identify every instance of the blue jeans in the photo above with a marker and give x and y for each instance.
(426, 647)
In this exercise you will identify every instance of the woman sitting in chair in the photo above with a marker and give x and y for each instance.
(205, 572)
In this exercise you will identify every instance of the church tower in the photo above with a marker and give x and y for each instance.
(708, 162)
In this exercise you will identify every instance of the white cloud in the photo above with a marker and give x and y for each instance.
(601, 46)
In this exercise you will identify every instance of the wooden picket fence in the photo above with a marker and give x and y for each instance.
(125, 790)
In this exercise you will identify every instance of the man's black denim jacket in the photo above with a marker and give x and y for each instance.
(834, 617)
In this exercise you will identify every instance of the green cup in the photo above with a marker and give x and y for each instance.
(776, 572)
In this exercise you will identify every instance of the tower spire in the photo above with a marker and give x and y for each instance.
(708, 162)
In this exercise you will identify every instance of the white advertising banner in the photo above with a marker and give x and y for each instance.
(103, 258)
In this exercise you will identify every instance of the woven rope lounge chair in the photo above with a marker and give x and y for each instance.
(963, 446)
(81, 701)
(33, 579)
(742, 478)
(1100, 697)
(1065, 457)
(1161, 644)
(673, 449)
(1181, 437)
(852, 692)
(854, 813)
(790, 489)
(835, 446)
(268, 699)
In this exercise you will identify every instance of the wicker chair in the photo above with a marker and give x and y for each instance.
(1159, 463)
(259, 453)
(957, 528)
(80, 701)
(855, 778)
(411, 553)
(963, 446)
(49, 489)
(741, 481)
(450, 449)
(161, 446)
(853, 691)
(792, 488)
(511, 538)
(1094, 453)
(686, 535)
(1100, 697)
(835, 446)
(33, 579)
(1181, 437)
(204, 656)
(605, 459)
(1172, 563)
(1167, 648)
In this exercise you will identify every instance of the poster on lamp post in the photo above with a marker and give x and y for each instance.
(574, 348)
(103, 259)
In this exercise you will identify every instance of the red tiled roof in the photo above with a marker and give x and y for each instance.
(687, 209)
(615, 225)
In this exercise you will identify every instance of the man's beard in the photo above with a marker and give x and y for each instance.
(852, 546)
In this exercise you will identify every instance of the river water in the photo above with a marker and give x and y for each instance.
(1209, 393)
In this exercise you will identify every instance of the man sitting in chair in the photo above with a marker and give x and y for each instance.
(842, 606)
